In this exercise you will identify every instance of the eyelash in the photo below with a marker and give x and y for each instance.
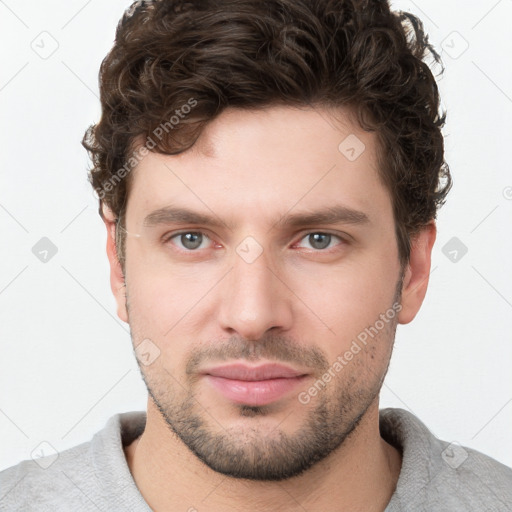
(342, 240)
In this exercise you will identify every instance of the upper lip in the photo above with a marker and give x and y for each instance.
(240, 371)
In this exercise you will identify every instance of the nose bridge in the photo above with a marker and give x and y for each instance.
(252, 299)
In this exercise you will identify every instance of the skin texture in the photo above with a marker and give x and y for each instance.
(294, 303)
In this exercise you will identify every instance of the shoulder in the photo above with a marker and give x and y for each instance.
(44, 481)
(442, 476)
(91, 476)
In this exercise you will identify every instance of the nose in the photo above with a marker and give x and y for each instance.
(253, 299)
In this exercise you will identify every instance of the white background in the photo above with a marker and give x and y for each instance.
(66, 361)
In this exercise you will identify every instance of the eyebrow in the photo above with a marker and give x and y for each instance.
(171, 214)
(330, 215)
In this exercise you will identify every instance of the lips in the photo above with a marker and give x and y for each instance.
(254, 385)
(248, 373)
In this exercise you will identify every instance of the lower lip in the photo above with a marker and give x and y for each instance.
(258, 392)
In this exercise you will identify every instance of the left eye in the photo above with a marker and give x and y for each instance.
(320, 241)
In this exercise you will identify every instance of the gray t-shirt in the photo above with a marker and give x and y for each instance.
(94, 476)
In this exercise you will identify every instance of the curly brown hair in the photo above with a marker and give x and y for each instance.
(212, 54)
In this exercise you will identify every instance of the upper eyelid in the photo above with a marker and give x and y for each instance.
(322, 232)
(170, 236)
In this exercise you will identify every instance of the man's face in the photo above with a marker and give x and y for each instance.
(279, 252)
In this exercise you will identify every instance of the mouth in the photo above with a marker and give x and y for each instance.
(254, 385)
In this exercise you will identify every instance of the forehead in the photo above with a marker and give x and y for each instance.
(267, 162)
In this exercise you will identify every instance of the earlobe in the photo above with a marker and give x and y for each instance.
(417, 273)
(117, 279)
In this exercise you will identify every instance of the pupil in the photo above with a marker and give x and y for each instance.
(191, 240)
(319, 240)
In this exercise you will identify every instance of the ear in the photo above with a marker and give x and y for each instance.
(117, 281)
(417, 273)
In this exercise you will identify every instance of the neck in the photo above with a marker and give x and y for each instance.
(360, 475)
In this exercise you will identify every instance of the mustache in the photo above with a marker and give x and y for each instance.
(272, 347)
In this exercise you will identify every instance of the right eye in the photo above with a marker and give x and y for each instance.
(190, 240)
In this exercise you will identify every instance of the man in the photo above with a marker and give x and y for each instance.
(269, 175)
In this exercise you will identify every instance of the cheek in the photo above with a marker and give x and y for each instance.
(166, 303)
(347, 299)
(161, 291)
(169, 305)
(158, 312)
